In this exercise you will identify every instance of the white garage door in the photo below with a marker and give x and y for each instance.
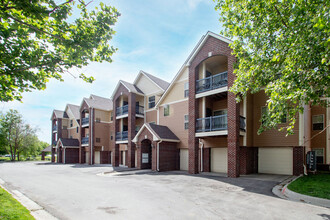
(275, 160)
(184, 159)
(87, 157)
(97, 157)
(219, 162)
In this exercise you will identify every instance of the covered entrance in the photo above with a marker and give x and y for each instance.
(146, 156)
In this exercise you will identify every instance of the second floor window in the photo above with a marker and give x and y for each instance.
(111, 116)
(186, 122)
(166, 110)
(98, 120)
(151, 101)
(318, 122)
(186, 89)
(71, 123)
(77, 129)
(98, 140)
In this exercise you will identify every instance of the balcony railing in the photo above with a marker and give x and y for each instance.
(139, 110)
(122, 136)
(242, 124)
(55, 128)
(85, 140)
(54, 143)
(212, 82)
(214, 123)
(85, 121)
(122, 110)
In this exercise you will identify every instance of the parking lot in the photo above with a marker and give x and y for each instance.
(83, 192)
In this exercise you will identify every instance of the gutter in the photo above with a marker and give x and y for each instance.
(202, 146)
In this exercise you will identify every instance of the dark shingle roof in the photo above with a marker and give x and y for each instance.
(99, 103)
(60, 114)
(47, 149)
(133, 88)
(163, 132)
(68, 142)
(161, 83)
(75, 110)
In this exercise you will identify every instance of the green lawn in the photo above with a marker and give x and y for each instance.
(10, 208)
(38, 158)
(317, 185)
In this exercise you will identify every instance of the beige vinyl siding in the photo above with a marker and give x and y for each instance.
(104, 116)
(219, 161)
(147, 86)
(275, 160)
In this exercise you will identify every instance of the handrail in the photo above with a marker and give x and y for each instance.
(212, 82)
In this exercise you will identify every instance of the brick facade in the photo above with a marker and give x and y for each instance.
(169, 156)
(214, 47)
(71, 155)
(298, 160)
(248, 160)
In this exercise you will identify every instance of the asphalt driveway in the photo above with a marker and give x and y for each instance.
(77, 192)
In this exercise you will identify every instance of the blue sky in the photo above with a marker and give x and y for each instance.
(151, 35)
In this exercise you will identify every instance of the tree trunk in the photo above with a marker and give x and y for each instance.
(18, 155)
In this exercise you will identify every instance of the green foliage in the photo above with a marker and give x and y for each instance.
(10, 208)
(19, 138)
(313, 185)
(39, 40)
(282, 47)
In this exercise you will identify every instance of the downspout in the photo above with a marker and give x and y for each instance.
(158, 154)
(91, 136)
(202, 145)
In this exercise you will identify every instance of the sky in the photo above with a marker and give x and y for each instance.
(155, 36)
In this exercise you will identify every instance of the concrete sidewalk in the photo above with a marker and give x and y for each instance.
(282, 191)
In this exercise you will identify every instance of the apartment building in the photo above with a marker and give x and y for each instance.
(96, 117)
(65, 134)
(133, 106)
(194, 123)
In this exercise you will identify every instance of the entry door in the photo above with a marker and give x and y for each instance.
(87, 157)
(97, 157)
(219, 161)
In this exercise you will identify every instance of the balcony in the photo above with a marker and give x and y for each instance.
(122, 110)
(85, 140)
(214, 123)
(54, 143)
(212, 82)
(85, 121)
(54, 128)
(217, 124)
(139, 110)
(122, 136)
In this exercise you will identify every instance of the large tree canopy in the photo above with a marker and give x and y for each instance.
(41, 39)
(282, 47)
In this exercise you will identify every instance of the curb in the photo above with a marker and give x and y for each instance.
(281, 190)
(38, 212)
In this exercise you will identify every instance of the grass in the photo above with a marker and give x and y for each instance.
(38, 158)
(10, 208)
(317, 185)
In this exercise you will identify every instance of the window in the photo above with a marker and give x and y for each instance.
(220, 112)
(152, 122)
(71, 123)
(77, 129)
(70, 136)
(111, 136)
(319, 153)
(98, 140)
(64, 127)
(283, 119)
(151, 101)
(98, 120)
(264, 111)
(186, 122)
(111, 116)
(166, 110)
(318, 122)
(186, 89)
(137, 128)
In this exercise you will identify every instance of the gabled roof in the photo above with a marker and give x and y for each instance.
(162, 84)
(74, 109)
(68, 142)
(101, 104)
(159, 132)
(59, 114)
(47, 149)
(129, 86)
(192, 55)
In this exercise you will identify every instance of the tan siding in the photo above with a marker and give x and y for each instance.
(176, 93)
(147, 86)
(102, 131)
(175, 121)
(211, 142)
(319, 141)
(103, 115)
(271, 137)
(151, 116)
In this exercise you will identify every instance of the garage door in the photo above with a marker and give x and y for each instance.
(87, 157)
(275, 160)
(97, 157)
(183, 159)
(219, 160)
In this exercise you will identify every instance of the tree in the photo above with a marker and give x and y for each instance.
(40, 40)
(282, 47)
(17, 136)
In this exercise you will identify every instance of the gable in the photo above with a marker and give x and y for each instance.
(147, 86)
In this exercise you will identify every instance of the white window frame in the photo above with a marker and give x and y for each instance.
(149, 102)
(167, 107)
(186, 88)
(186, 122)
(318, 122)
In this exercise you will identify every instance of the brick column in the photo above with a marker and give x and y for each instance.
(131, 130)
(193, 112)
(233, 125)
(298, 161)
